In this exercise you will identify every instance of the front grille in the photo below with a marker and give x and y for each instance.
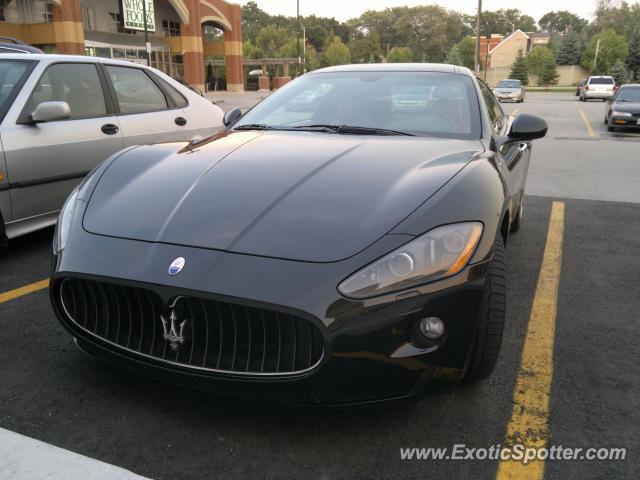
(217, 336)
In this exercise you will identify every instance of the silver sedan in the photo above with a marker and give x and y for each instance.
(510, 90)
(61, 115)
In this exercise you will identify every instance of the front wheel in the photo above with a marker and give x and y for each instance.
(491, 319)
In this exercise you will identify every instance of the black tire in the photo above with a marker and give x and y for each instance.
(515, 225)
(491, 319)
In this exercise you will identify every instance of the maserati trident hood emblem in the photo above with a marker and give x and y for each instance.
(173, 331)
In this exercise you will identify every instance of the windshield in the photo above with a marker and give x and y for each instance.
(11, 72)
(629, 95)
(509, 84)
(418, 103)
(601, 81)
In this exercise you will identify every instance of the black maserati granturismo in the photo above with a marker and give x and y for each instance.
(341, 242)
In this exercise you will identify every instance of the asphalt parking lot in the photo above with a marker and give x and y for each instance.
(52, 392)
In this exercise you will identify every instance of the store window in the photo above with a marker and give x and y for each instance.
(170, 29)
(3, 5)
(48, 12)
(135, 91)
(117, 23)
(88, 18)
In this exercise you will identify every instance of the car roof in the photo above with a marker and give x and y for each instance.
(632, 85)
(20, 47)
(53, 58)
(600, 76)
(397, 67)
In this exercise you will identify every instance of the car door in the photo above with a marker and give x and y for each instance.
(45, 161)
(147, 113)
(516, 154)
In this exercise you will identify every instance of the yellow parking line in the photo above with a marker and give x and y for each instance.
(22, 291)
(587, 125)
(515, 111)
(529, 418)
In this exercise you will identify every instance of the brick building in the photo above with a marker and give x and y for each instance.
(182, 33)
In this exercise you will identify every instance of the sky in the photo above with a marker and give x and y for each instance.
(346, 9)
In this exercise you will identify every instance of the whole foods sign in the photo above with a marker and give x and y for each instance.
(133, 14)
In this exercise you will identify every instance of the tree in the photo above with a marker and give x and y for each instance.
(520, 69)
(561, 21)
(463, 53)
(400, 55)
(270, 39)
(569, 51)
(633, 60)
(619, 72)
(538, 62)
(364, 47)
(501, 22)
(336, 53)
(612, 47)
(549, 74)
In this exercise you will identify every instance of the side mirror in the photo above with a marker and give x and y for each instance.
(50, 112)
(528, 127)
(231, 117)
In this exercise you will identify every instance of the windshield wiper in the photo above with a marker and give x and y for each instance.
(346, 129)
(254, 126)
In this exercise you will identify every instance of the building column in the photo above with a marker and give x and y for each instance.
(191, 40)
(67, 27)
(233, 51)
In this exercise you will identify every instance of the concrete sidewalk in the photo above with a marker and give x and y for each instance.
(24, 458)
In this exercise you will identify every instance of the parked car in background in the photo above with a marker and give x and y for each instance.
(598, 87)
(511, 90)
(623, 109)
(13, 45)
(580, 86)
(60, 116)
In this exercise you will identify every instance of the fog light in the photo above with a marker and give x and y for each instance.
(431, 327)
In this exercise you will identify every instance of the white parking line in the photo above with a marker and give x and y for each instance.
(24, 458)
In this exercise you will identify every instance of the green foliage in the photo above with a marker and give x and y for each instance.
(365, 47)
(336, 53)
(501, 22)
(616, 15)
(463, 53)
(613, 47)
(561, 21)
(619, 72)
(633, 60)
(520, 69)
(549, 74)
(570, 49)
(400, 55)
(270, 39)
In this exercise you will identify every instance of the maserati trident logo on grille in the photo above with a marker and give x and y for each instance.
(173, 331)
(176, 266)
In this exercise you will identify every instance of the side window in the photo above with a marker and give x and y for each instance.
(493, 107)
(78, 84)
(135, 91)
(177, 99)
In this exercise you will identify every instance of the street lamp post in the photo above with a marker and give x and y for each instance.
(477, 59)
(298, 36)
(147, 46)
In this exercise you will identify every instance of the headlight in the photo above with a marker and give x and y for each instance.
(439, 253)
(64, 222)
(621, 114)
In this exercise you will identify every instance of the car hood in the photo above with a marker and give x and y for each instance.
(297, 195)
(633, 107)
(507, 90)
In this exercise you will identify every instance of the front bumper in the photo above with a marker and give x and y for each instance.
(625, 122)
(368, 351)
